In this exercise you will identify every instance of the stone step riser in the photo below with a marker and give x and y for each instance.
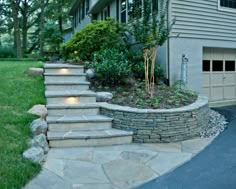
(67, 87)
(90, 142)
(73, 112)
(79, 126)
(65, 78)
(64, 70)
(74, 101)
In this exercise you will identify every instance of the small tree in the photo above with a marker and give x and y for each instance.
(150, 29)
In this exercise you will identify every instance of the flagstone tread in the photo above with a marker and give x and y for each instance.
(63, 75)
(70, 93)
(79, 119)
(66, 83)
(79, 106)
(48, 66)
(109, 133)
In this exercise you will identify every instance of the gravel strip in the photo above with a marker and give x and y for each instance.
(216, 125)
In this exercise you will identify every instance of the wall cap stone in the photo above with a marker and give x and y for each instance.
(200, 102)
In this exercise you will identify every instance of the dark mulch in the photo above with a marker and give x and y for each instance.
(164, 97)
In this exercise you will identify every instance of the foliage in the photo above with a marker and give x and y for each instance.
(53, 37)
(111, 67)
(139, 71)
(164, 97)
(24, 21)
(152, 30)
(137, 66)
(7, 52)
(92, 38)
(18, 94)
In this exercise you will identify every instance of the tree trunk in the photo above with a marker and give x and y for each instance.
(60, 24)
(24, 33)
(43, 4)
(17, 38)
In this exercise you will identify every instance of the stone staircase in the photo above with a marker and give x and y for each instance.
(73, 114)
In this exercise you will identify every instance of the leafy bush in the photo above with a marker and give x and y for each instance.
(139, 71)
(6, 52)
(136, 60)
(92, 38)
(111, 67)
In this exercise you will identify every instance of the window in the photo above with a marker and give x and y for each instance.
(75, 19)
(87, 6)
(206, 65)
(127, 8)
(229, 65)
(227, 4)
(123, 10)
(83, 10)
(79, 13)
(117, 10)
(154, 5)
(217, 65)
(133, 8)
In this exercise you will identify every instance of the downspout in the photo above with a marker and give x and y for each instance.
(168, 48)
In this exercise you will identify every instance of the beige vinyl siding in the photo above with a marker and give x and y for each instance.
(201, 19)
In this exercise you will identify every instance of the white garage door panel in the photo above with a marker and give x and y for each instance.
(206, 80)
(229, 93)
(217, 93)
(219, 75)
(217, 79)
(229, 78)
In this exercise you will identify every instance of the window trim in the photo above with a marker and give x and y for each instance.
(225, 9)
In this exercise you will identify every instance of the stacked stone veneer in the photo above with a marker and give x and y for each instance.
(161, 125)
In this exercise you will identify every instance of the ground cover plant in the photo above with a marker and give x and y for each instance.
(134, 95)
(18, 93)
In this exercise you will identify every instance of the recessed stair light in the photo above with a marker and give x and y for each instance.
(72, 100)
(64, 71)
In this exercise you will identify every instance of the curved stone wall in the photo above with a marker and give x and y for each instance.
(160, 125)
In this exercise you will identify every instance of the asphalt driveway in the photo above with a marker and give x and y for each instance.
(213, 168)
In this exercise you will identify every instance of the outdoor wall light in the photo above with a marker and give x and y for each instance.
(64, 71)
(72, 100)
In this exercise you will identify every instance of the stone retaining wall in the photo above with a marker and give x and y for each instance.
(161, 125)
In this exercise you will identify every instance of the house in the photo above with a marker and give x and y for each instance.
(204, 34)
(67, 34)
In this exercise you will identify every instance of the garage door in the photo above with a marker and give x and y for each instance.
(219, 76)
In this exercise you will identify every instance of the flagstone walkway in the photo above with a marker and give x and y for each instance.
(113, 167)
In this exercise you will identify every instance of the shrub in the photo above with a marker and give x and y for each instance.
(137, 67)
(92, 38)
(7, 52)
(111, 67)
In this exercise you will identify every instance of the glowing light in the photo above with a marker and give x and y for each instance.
(72, 100)
(64, 71)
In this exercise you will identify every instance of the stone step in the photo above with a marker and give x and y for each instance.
(64, 77)
(67, 85)
(88, 138)
(73, 110)
(63, 69)
(70, 97)
(68, 123)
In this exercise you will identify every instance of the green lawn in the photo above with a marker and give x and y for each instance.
(18, 93)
